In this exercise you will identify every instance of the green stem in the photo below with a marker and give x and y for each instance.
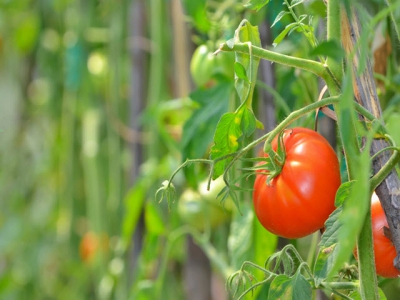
(334, 34)
(310, 35)
(385, 170)
(348, 285)
(270, 136)
(297, 114)
(368, 278)
(295, 62)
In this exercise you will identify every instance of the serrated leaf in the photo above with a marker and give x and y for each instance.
(279, 17)
(325, 261)
(248, 123)
(256, 4)
(328, 245)
(330, 49)
(283, 34)
(225, 141)
(240, 72)
(286, 288)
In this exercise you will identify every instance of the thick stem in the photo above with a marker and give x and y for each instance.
(300, 63)
(366, 95)
(333, 34)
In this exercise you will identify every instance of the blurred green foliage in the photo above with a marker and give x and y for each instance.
(65, 144)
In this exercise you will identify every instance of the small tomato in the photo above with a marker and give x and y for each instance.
(204, 65)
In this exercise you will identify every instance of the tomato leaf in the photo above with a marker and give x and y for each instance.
(295, 2)
(355, 295)
(225, 141)
(328, 245)
(240, 240)
(290, 288)
(234, 128)
(240, 72)
(330, 49)
(283, 34)
(279, 17)
(198, 129)
(256, 4)
(245, 84)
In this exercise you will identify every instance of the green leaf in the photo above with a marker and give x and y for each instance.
(328, 245)
(355, 295)
(240, 72)
(343, 193)
(245, 84)
(196, 11)
(248, 123)
(286, 288)
(152, 218)
(330, 49)
(296, 2)
(199, 128)
(225, 140)
(256, 4)
(283, 34)
(233, 128)
(279, 17)
(240, 240)
(134, 200)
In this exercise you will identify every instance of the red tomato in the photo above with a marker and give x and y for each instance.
(384, 250)
(300, 199)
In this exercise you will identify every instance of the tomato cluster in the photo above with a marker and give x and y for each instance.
(298, 201)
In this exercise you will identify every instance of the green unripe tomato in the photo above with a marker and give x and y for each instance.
(205, 65)
(199, 212)
(215, 188)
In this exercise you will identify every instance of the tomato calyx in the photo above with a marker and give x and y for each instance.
(274, 161)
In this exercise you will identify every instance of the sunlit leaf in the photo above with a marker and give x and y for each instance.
(295, 2)
(256, 4)
(279, 17)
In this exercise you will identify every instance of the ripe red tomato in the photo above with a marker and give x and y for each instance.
(300, 199)
(384, 250)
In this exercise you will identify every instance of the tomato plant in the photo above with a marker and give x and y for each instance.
(384, 249)
(299, 200)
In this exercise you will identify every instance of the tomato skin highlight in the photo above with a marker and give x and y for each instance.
(384, 250)
(300, 199)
